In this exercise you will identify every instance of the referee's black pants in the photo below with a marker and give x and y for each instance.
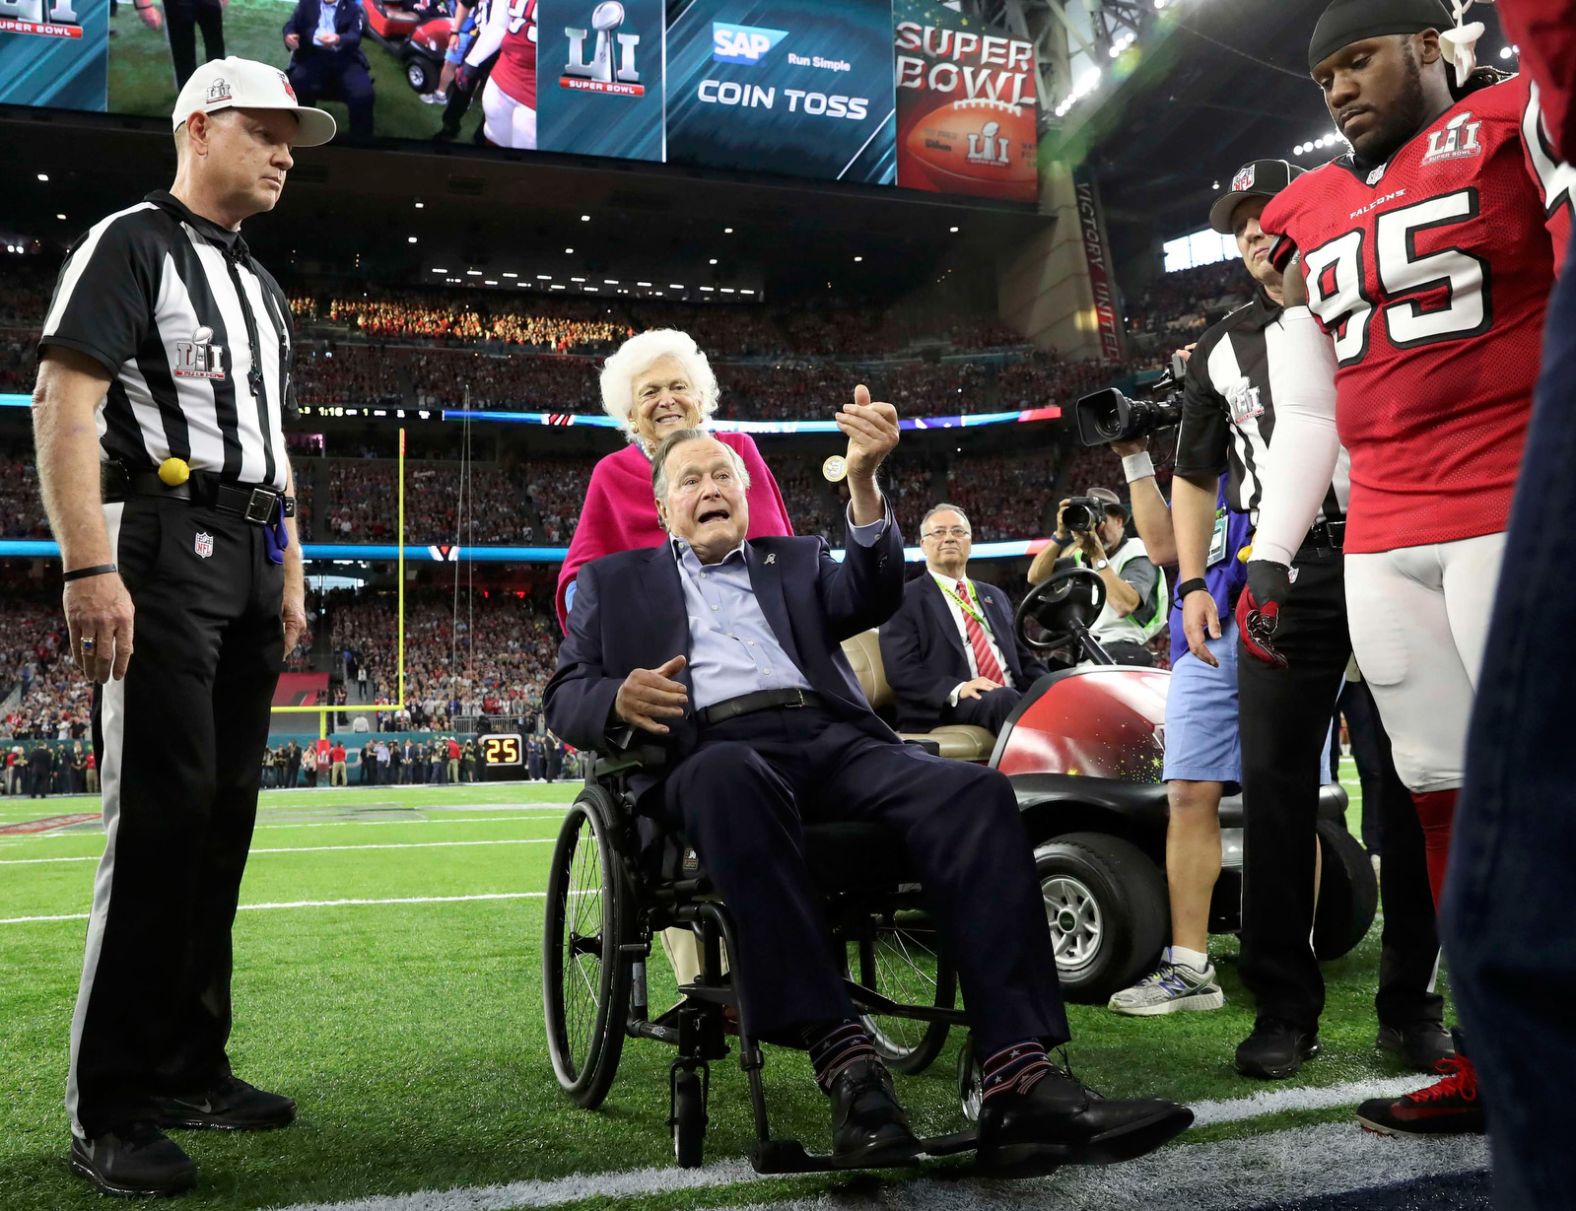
(1284, 719)
(182, 19)
(179, 744)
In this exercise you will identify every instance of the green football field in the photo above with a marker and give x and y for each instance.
(142, 80)
(387, 977)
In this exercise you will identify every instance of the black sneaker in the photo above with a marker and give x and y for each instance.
(1275, 1050)
(232, 1105)
(1421, 1045)
(1450, 1106)
(136, 1161)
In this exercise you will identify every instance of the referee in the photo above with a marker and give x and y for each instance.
(164, 373)
(1228, 421)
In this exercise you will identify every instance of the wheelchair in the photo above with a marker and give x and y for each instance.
(611, 889)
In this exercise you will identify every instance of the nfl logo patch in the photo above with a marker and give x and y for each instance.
(203, 544)
(1243, 181)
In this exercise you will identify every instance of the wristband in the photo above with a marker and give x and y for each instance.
(1060, 544)
(1188, 587)
(98, 569)
(289, 505)
(1138, 466)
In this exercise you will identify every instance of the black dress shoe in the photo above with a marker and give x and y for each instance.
(232, 1105)
(1421, 1045)
(869, 1128)
(1060, 1122)
(1275, 1050)
(136, 1160)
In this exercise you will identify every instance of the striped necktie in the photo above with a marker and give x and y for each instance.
(984, 660)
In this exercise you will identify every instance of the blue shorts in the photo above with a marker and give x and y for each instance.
(1202, 740)
(462, 46)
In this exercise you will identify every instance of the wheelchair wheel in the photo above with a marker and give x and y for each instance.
(585, 976)
(900, 961)
(688, 1119)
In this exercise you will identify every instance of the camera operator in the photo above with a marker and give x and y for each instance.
(1092, 529)
(1228, 422)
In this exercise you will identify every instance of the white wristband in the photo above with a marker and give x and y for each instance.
(1138, 466)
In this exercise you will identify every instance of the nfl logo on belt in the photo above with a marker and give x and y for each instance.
(203, 544)
(1243, 180)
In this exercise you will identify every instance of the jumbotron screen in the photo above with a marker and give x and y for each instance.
(887, 92)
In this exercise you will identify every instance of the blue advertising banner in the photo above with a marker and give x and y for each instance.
(54, 52)
(802, 87)
(599, 77)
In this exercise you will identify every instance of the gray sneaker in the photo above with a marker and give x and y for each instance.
(1170, 988)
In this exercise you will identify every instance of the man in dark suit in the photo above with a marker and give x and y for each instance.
(951, 652)
(326, 59)
(727, 653)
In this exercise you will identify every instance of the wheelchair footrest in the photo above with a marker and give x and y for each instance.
(789, 1156)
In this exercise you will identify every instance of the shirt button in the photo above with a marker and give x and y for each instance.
(713, 609)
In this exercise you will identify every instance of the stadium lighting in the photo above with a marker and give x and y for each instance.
(610, 282)
(713, 261)
(675, 286)
(729, 290)
(1509, 52)
(1160, 5)
(440, 271)
(544, 277)
(558, 286)
(858, 259)
(727, 231)
(489, 281)
(746, 290)
(1122, 43)
(44, 177)
(646, 285)
(410, 239)
(61, 217)
(569, 252)
(577, 279)
(593, 289)
(708, 290)
(585, 218)
(421, 205)
(509, 275)
(473, 273)
(955, 230)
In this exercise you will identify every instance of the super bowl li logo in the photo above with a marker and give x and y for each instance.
(612, 66)
(989, 146)
(199, 357)
(47, 18)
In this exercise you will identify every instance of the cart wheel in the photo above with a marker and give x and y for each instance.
(688, 1118)
(971, 1081)
(585, 974)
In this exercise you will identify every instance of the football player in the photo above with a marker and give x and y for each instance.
(509, 96)
(1428, 255)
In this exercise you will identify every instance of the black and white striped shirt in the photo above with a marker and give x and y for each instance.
(195, 334)
(1228, 411)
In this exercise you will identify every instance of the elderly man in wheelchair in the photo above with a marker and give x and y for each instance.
(723, 657)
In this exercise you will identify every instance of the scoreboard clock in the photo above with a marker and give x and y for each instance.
(503, 753)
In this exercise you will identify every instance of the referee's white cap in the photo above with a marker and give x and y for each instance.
(247, 84)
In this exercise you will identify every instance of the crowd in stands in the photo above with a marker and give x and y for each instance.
(18, 359)
(21, 506)
(1177, 307)
(476, 317)
(52, 701)
(1004, 497)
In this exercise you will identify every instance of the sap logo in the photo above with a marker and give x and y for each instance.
(744, 44)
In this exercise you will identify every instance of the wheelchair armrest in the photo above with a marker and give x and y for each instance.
(646, 757)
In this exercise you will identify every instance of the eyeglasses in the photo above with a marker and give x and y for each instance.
(948, 532)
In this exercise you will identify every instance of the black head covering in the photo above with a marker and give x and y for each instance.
(1348, 21)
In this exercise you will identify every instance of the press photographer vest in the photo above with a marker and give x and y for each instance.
(1108, 628)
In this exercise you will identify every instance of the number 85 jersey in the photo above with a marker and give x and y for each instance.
(1432, 275)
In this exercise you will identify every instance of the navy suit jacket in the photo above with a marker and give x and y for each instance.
(630, 614)
(347, 24)
(924, 657)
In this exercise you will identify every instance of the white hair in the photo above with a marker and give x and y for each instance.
(637, 355)
(659, 460)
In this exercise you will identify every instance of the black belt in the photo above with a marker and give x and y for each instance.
(251, 502)
(761, 700)
(1330, 534)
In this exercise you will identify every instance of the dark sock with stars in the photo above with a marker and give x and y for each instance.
(835, 1046)
(1016, 1069)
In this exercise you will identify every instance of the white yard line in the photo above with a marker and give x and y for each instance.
(521, 819)
(318, 849)
(497, 895)
(1328, 1158)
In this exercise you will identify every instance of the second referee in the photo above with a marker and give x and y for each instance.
(164, 377)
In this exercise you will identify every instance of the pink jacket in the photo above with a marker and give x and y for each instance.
(620, 515)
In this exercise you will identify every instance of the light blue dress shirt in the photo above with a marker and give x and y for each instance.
(325, 20)
(733, 650)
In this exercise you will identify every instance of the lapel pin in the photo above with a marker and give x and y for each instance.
(771, 558)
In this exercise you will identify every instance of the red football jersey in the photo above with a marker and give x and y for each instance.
(510, 30)
(1432, 274)
(1545, 30)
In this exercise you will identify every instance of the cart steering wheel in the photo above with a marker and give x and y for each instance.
(1065, 606)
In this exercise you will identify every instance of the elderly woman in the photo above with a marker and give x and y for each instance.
(657, 383)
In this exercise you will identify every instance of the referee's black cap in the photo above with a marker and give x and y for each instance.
(1256, 179)
(1348, 21)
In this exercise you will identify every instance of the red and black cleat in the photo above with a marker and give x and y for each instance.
(1450, 1106)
